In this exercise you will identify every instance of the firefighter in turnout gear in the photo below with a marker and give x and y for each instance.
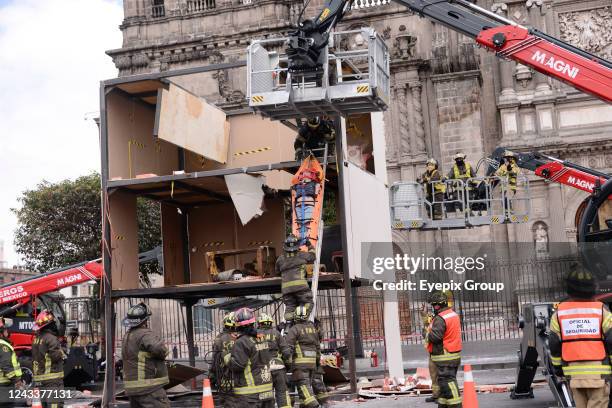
(303, 340)
(580, 341)
(250, 365)
(461, 171)
(291, 266)
(313, 135)
(10, 370)
(434, 191)
(144, 361)
(318, 385)
(48, 356)
(509, 171)
(281, 358)
(427, 318)
(444, 346)
(220, 375)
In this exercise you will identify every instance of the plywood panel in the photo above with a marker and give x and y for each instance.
(172, 241)
(124, 240)
(189, 121)
(210, 228)
(367, 217)
(132, 148)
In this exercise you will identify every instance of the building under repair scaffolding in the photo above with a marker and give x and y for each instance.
(222, 179)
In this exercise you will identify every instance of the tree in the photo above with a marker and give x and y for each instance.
(59, 224)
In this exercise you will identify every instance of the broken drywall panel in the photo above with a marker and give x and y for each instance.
(124, 241)
(247, 195)
(188, 121)
(172, 244)
(132, 149)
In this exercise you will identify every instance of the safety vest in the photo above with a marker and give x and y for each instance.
(438, 187)
(452, 337)
(7, 377)
(580, 324)
(467, 174)
(511, 175)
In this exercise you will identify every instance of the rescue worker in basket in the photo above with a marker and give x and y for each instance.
(443, 339)
(280, 355)
(313, 135)
(10, 370)
(580, 341)
(291, 266)
(461, 171)
(220, 375)
(249, 362)
(144, 361)
(434, 188)
(303, 340)
(509, 171)
(48, 356)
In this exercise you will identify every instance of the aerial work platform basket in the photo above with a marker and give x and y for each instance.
(354, 78)
(458, 204)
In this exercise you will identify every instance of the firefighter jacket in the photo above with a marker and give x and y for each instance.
(316, 137)
(10, 370)
(47, 357)
(510, 172)
(427, 177)
(144, 362)
(303, 340)
(276, 343)
(251, 373)
(581, 339)
(444, 338)
(221, 347)
(292, 269)
(461, 173)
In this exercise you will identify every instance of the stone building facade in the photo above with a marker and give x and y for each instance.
(448, 95)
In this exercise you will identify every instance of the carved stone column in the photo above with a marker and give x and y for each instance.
(506, 68)
(419, 147)
(404, 124)
(542, 87)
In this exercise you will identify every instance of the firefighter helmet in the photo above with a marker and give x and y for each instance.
(433, 161)
(292, 244)
(438, 298)
(137, 315)
(580, 283)
(265, 319)
(509, 154)
(228, 320)
(43, 319)
(302, 312)
(244, 317)
(460, 156)
(314, 122)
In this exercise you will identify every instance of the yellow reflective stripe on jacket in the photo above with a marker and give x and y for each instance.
(593, 369)
(16, 367)
(305, 360)
(253, 389)
(556, 360)
(309, 397)
(145, 383)
(446, 356)
(47, 374)
(297, 282)
(248, 375)
(142, 361)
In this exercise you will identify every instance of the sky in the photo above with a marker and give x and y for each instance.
(51, 63)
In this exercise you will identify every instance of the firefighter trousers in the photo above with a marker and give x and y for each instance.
(155, 399)
(281, 391)
(433, 373)
(55, 385)
(319, 388)
(295, 299)
(303, 381)
(249, 402)
(450, 396)
(590, 393)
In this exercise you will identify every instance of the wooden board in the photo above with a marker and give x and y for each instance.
(172, 241)
(188, 121)
(124, 241)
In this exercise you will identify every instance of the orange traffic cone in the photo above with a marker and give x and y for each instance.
(36, 403)
(470, 400)
(207, 398)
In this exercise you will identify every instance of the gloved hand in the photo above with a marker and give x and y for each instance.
(227, 358)
(558, 371)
